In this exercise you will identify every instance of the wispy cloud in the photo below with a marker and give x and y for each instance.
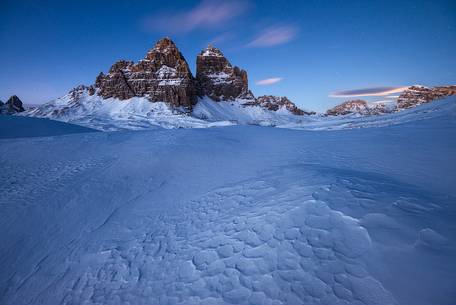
(274, 35)
(377, 91)
(208, 13)
(222, 38)
(268, 81)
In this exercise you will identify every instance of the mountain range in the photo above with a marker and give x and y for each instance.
(160, 90)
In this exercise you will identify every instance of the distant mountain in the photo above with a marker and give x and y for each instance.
(280, 103)
(361, 107)
(411, 97)
(160, 90)
(416, 95)
(12, 106)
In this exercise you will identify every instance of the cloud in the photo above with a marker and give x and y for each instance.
(377, 91)
(268, 81)
(273, 36)
(221, 38)
(206, 14)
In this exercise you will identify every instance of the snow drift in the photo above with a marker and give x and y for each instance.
(233, 215)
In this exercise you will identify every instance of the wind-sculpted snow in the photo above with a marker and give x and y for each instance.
(232, 215)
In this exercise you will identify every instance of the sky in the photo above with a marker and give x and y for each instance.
(317, 53)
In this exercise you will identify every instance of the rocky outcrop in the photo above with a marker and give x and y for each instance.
(362, 107)
(12, 106)
(349, 107)
(275, 103)
(163, 75)
(218, 79)
(416, 95)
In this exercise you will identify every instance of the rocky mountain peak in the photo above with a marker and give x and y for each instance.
(363, 108)
(162, 76)
(12, 105)
(416, 95)
(165, 44)
(275, 103)
(218, 79)
(211, 51)
(349, 107)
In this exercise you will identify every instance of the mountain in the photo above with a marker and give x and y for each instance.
(160, 90)
(162, 76)
(12, 106)
(361, 107)
(217, 79)
(411, 97)
(416, 95)
(279, 103)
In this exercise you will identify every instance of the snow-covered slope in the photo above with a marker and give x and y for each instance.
(435, 109)
(136, 113)
(239, 112)
(19, 127)
(232, 215)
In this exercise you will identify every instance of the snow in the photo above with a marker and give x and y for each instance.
(170, 82)
(236, 112)
(139, 113)
(18, 127)
(233, 215)
(111, 114)
(219, 78)
(211, 52)
(435, 109)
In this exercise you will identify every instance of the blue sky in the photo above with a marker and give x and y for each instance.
(306, 50)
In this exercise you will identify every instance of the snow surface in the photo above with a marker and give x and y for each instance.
(139, 113)
(232, 215)
(435, 109)
(238, 113)
(112, 114)
(17, 127)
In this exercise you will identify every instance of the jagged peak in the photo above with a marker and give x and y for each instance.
(211, 51)
(164, 43)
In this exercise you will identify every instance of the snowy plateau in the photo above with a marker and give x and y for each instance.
(340, 210)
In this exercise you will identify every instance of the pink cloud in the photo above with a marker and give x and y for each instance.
(268, 81)
(274, 36)
(376, 91)
(206, 14)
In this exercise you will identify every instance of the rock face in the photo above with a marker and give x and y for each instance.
(218, 79)
(163, 75)
(362, 107)
(416, 95)
(13, 105)
(349, 107)
(275, 103)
